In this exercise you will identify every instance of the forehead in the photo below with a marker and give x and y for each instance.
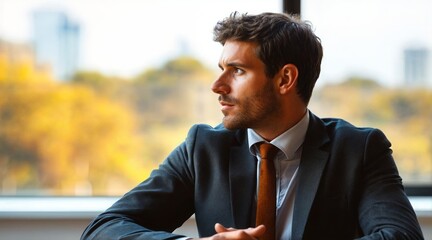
(238, 52)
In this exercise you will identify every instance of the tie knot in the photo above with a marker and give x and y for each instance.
(267, 150)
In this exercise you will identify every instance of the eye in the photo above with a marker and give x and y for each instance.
(238, 71)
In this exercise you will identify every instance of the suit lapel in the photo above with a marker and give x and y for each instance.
(242, 170)
(311, 167)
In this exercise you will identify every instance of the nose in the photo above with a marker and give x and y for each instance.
(220, 85)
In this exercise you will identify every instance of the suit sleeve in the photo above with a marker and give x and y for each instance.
(384, 211)
(154, 208)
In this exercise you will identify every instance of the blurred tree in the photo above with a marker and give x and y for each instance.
(405, 115)
(63, 139)
(181, 70)
(360, 83)
(90, 135)
(103, 134)
(178, 93)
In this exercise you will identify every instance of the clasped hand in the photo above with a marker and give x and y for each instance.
(223, 233)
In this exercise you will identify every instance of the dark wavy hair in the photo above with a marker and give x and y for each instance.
(282, 39)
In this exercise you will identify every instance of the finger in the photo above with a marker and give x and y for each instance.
(256, 231)
(219, 228)
(253, 231)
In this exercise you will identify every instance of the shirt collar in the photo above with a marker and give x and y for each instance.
(288, 142)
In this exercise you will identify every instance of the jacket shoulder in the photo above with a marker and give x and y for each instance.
(345, 131)
(338, 125)
(208, 134)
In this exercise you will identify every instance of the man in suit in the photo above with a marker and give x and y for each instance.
(333, 180)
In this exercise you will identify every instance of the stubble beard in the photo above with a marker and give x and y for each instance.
(253, 111)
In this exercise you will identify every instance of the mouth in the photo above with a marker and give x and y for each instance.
(225, 103)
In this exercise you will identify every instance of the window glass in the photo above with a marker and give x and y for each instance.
(376, 72)
(95, 94)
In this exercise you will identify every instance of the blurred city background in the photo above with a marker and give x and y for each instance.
(95, 94)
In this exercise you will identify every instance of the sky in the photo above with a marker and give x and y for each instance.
(124, 37)
(368, 37)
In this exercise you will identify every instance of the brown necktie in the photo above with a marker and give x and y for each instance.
(266, 204)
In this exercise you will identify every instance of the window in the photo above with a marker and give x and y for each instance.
(376, 72)
(94, 95)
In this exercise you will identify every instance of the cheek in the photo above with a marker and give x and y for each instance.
(238, 90)
(245, 88)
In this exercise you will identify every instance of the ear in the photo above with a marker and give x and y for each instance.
(288, 78)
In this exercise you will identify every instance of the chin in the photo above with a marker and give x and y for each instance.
(227, 124)
(231, 124)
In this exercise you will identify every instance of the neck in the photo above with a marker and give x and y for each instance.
(282, 123)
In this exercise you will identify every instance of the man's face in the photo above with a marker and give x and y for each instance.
(248, 98)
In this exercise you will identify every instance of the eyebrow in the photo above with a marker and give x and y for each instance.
(233, 64)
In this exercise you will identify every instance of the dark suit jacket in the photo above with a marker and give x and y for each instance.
(349, 187)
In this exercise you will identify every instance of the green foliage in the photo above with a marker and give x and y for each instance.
(182, 82)
(184, 67)
(361, 83)
(182, 70)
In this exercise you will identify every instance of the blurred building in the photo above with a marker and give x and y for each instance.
(56, 42)
(416, 67)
